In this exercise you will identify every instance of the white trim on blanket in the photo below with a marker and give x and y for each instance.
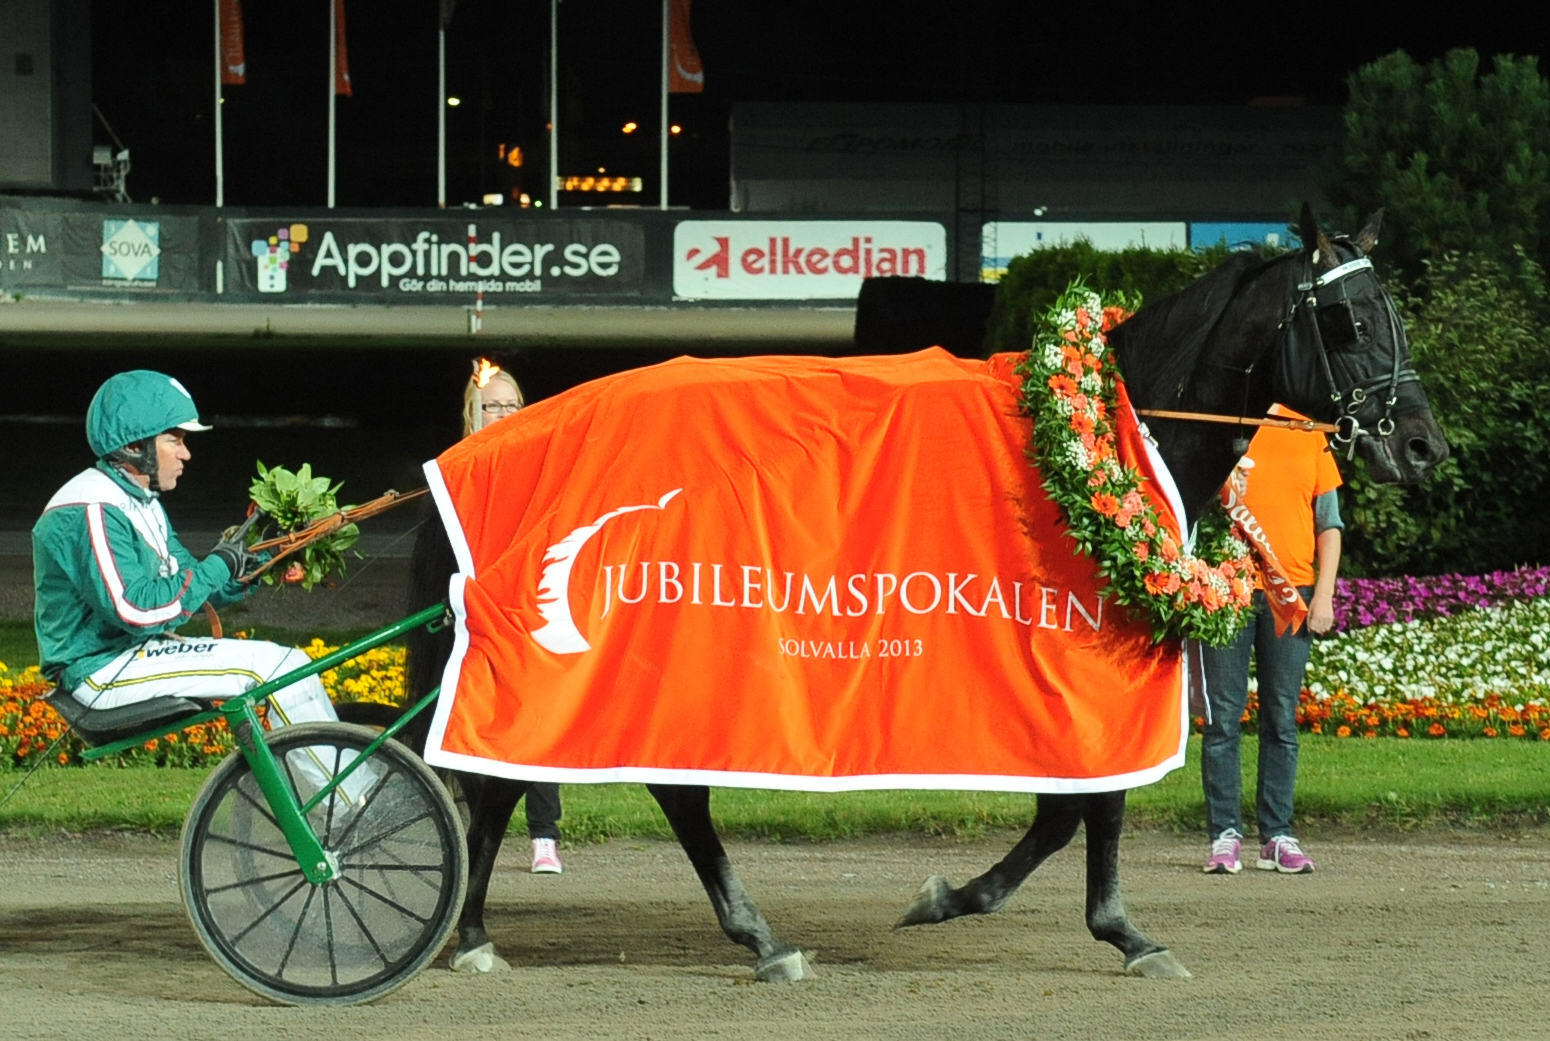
(453, 671)
(449, 518)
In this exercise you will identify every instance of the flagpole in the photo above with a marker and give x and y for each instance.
(220, 145)
(554, 104)
(441, 117)
(665, 48)
(333, 59)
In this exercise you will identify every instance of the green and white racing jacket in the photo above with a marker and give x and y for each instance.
(110, 573)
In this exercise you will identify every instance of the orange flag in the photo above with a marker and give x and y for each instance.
(845, 575)
(685, 73)
(341, 54)
(234, 62)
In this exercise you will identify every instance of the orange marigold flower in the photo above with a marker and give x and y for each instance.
(1489, 731)
(1317, 728)
(1544, 735)
(1515, 730)
(1402, 732)
(1369, 734)
(1343, 731)
(1105, 504)
(1436, 730)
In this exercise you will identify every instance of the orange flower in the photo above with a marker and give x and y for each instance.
(1122, 518)
(1083, 319)
(1064, 386)
(1112, 316)
(1099, 476)
(1515, 730)
(1544, 735)
(1170, 549)
(1143, 551)
(1081, 423)
(1489, 731)
(1402, 732)
(1148, 527)
(1437, 730)
(1344, 731)
(1105, 504)
(1317, 728)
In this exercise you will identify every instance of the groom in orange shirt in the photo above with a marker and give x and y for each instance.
(1291, 482)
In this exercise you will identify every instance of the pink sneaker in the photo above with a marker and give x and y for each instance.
(546, 857)
(1283, 854)
(1224, 854)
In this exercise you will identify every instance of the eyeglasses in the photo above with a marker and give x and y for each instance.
(499, 407)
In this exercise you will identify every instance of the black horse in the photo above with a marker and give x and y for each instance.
(1312, 329)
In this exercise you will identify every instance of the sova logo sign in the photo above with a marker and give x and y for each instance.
(131, 250)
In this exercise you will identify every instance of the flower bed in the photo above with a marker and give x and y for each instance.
(29, 727)
(1361, 602)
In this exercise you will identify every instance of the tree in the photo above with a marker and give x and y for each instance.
(1460, 160)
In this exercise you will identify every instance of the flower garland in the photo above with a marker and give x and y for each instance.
(1199, 590)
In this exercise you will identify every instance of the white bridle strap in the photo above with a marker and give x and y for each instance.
(1350, 267)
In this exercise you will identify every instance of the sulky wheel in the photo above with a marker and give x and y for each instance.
(403, 868)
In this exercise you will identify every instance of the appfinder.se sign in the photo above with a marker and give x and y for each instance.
(800, 260)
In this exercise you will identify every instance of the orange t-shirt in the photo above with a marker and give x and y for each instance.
(1291, 469)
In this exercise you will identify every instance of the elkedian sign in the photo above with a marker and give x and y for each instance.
(800, 260)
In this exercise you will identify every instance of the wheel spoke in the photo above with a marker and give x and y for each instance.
(360, 811)
(328, 923)
(296, 932)
(254, 924)
(377, 839)
(260, 807)
(278, 854)
(361, 925)
(438, 868)
(252, 881)
(395, 905)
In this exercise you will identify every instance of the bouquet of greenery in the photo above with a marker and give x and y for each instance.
(294, 501)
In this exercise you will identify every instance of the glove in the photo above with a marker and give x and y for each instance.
(239, 560)
(233, 550)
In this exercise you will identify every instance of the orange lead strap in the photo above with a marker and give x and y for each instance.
(1267, 421)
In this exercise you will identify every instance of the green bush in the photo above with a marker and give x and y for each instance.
(1484, 358)
(1034, 281)
(1460, 159)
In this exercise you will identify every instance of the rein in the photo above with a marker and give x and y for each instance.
(1268, 421)
(284, 545)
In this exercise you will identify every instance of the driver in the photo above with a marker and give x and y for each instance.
(113, 582)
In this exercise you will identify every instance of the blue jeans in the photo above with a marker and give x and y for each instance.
(1279, 664)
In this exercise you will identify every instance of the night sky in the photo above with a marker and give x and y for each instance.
(153, 72)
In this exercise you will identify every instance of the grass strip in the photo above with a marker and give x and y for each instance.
(1403, 784)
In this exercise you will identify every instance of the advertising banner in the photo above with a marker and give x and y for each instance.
(800, 260)
(856, 581)
(1000, 241)
(47, 249)
(428, 261)
(1241, 234)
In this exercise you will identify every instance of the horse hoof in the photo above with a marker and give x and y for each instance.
(783, 968)
(481, 959)
(1159, 965)
(930, 904)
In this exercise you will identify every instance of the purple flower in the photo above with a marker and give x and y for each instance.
(1360, 602)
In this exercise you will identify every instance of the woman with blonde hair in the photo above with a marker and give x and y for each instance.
(492, 395)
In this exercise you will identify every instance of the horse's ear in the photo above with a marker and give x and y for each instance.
(1314, 241)
(1367, 239)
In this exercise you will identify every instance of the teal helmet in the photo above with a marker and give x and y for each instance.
(132, 408)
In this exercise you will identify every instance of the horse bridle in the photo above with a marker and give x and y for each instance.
(1313, 297)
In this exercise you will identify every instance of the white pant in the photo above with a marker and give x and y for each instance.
(206, 668)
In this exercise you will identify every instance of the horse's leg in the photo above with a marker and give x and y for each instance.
(1053, 826)
(491, 801)
(688, 811)
(1106, 917)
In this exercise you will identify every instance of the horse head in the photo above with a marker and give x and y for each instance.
(1313, 330)
(1344, 358)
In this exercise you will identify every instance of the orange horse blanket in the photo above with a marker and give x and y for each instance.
(785, 572)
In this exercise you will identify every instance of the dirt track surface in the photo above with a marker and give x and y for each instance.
(1437, 937)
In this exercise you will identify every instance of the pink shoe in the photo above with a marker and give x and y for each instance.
(546, 857)
(1283, 854)
(1224, 854)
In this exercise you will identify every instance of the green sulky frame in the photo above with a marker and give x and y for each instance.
(316, 864)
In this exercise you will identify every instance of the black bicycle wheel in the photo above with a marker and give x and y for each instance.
(403, 870)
